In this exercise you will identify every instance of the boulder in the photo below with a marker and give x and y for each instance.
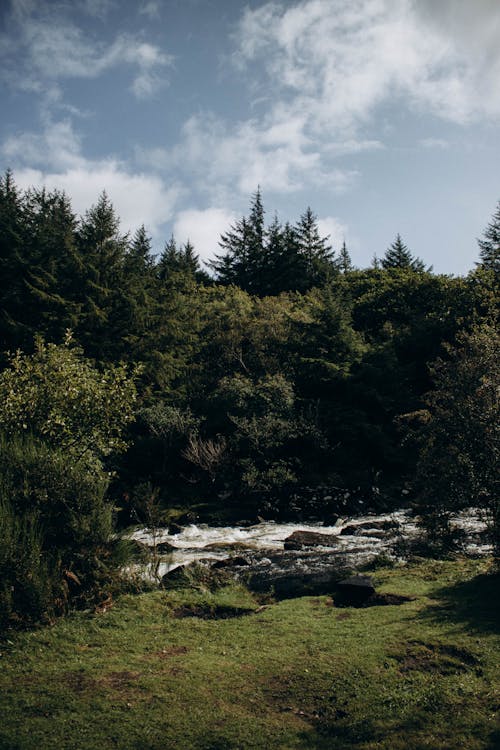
(163, 548)
(354, 591)
(174, 528)
(300, 539)
(230, 562)
(287, 576)
(367, 528)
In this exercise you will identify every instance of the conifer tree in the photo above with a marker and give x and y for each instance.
(344, 262)
(38, 263)
(398, 256)
(243, 262)
(316, 253)
(490, 244)
(12, 263)
(103, 251)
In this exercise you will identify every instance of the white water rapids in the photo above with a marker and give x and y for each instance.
(367, 540)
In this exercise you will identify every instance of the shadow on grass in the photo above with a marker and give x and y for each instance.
(474, 603)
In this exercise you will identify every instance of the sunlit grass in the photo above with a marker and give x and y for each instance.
(293, 674)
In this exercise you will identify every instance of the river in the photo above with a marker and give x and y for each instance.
(260, 548)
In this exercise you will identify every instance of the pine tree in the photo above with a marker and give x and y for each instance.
(243, 262)
(344, 263)
(12, 264)
(398, 256)
(316, 253)
(38, 263)
(490, 245)
(103, 250)
(54, 263)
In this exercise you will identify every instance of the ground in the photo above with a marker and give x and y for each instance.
(194, 669)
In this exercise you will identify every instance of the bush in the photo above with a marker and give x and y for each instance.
(57, 525)
(29, 584)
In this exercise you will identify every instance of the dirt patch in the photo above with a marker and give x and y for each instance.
(436, 659)
(79, 682)
(119, 680)
(210, 612)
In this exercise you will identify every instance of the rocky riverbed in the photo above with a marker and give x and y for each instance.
(292, 559)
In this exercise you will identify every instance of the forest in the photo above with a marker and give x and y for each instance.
(281, 382)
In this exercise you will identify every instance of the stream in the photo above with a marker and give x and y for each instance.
(257, 553)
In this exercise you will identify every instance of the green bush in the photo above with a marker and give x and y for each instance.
(29, 581)
(56, 530)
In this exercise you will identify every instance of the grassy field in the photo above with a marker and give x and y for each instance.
(154, 671)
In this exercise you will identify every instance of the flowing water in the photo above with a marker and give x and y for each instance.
(262, 545)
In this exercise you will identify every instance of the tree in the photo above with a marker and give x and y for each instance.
(58, 396)
(316, 253)
(490, 245)
(460, 432)
(103, 250)
(12, 263)
(344, 263)
(243, 262)
(398, 256)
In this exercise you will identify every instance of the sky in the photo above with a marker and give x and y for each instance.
(383, 116)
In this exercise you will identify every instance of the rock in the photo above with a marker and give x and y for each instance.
(354, 591)
(367, 528)
(174, 528)
(175, 577)
(163, 548)
(286, 576)
(300, 539)
(230, 562)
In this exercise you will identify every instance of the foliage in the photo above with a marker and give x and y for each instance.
(460, 432)
(290, 367)
(398, 256)
(58, 395)
(28, 587)
(490, 244)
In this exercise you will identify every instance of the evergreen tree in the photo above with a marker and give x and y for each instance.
(490, 245)
(243, 262)
(54, 263)
(38, 264)
(103, 251)
(12, 263)
(344, 263)
(316, 253)
(398, 256)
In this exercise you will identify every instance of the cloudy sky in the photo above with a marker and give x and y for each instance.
(382, 115)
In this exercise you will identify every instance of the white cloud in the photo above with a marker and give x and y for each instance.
(203, 228)
(323, 68)
(273, 153)
(54, 159)
(55, 48)
(335, 230)
(150, 9)
(434, 143)
(339, 60)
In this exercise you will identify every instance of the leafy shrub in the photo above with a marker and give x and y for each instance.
(29, 582)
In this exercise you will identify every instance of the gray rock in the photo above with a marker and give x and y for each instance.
(300, 539)
(354, 591)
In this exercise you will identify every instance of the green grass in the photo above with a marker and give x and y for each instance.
(294, 674)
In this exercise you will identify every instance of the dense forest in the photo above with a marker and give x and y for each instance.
(283, 383)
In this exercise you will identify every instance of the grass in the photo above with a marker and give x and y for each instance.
(150, 674)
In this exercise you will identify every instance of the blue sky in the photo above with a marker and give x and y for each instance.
(382, 115)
